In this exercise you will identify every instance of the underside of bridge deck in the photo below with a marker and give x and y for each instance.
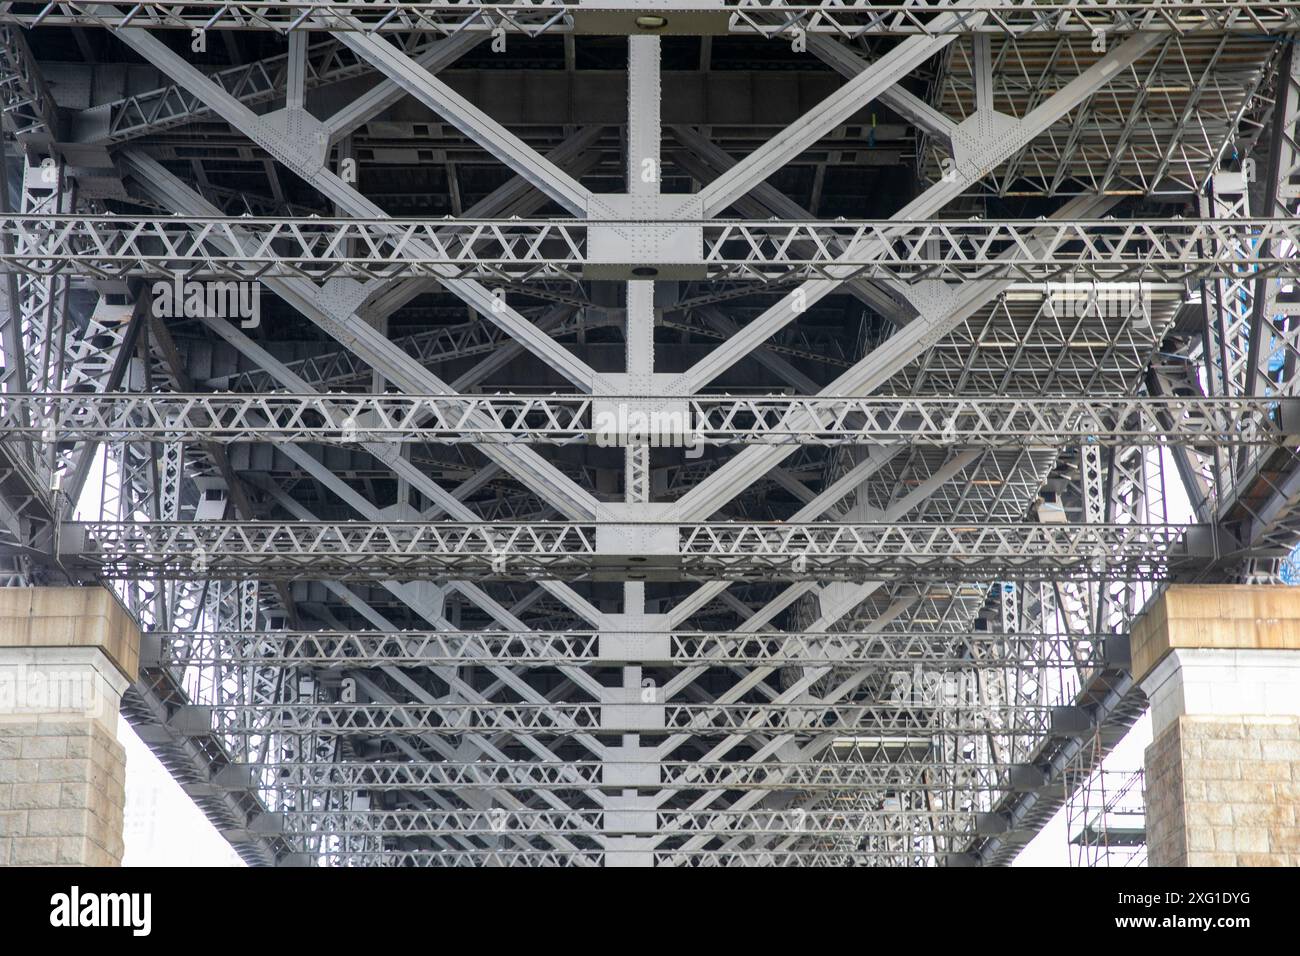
(579, 434)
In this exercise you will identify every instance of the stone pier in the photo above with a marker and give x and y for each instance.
(66, 657)
(1221, 666)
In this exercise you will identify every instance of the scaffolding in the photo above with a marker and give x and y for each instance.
(1105, 812)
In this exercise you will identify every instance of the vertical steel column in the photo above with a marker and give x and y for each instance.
(643, 180)
(1229, 308)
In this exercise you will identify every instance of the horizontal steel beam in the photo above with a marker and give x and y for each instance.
(902, 850)
(271, 550)
(340, 650)
(925, 722)
(883, 774)
(907, 851)
(1107, 250)
(657, 420)
(488, 824)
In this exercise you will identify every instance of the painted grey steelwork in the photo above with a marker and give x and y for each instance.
(367, 648)
(518, 250)
(765, 18)
(703, 434)
(342, 418)
(440, 551)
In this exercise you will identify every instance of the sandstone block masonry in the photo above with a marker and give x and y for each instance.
(66, 657)
(1224, 792)
(1221, 667)
(62, 793)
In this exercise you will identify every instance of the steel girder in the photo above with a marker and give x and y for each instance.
(246, 248)
(711, 420)
(567, 719)
(584, 825)
(380, 775)
(707, 858)
(726, 551)
(360, 649)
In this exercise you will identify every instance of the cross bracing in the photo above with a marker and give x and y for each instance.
(1047, 347)
(1033, 340)
(958, 303)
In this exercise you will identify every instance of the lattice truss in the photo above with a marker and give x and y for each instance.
(746, 445)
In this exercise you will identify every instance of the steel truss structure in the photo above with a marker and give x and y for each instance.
(461, 648)
(113, 247)
(713, 420)
(530, 435)
(725, 551)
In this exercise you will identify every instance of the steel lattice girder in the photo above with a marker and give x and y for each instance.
(920, 720)
(710, 420)
(1107, 250)
(523, 858)
(378, 775)
(902, 853)
(790, 551)
(593, 823)
(361, 649)
(769, 18)
(899, 856)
